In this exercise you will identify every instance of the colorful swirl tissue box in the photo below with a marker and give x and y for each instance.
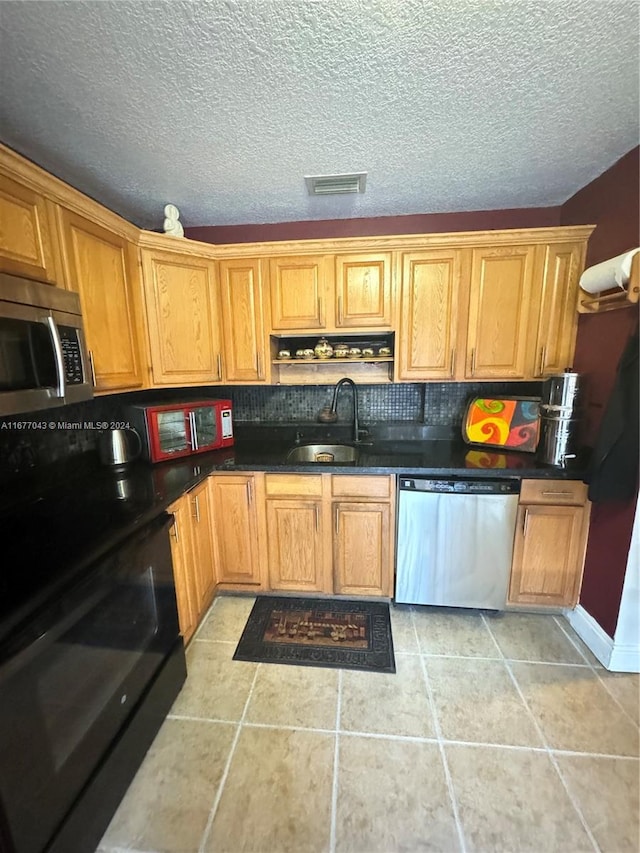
(512, 422)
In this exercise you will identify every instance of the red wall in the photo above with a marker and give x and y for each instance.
(612, 202)
(424, 223)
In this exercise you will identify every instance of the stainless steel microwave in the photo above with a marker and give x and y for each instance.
(43, 355)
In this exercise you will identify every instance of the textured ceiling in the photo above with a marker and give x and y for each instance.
(222, 106)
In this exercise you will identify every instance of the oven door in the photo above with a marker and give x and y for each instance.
(70, 680)
(169, 433)
(204, 427)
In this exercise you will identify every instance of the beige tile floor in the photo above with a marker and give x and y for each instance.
(497, 733)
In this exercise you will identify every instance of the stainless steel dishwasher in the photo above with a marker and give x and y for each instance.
(455, 540)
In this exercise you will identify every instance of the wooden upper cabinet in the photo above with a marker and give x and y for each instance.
(363, 291)
(502, 301)
(182, 312)
(558, 323)
(28, 240)
(429, 298)
(300, 290)
(329, 293)
(243, 321)
(102, 267)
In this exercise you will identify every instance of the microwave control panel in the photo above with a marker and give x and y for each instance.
(71, 354)
(227, 424)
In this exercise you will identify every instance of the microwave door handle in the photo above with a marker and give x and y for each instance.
(194, 433)
(57, 349)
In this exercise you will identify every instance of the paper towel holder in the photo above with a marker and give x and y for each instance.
(611, 300)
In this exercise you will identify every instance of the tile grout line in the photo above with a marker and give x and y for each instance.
(405, 738)
(552, 757)
(500, 657)
(596, 670)
(439, 740)
(194, 719)
(336, 759)
(556, 619)
(227, 767)
(205, 619)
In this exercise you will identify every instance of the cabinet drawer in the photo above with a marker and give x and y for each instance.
(360, 486)
(553, 492)
(293, 484)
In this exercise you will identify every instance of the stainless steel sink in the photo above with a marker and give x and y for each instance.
(327, 453)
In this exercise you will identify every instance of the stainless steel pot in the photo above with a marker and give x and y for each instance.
(119, 447)
(558, 443)
(562, 391)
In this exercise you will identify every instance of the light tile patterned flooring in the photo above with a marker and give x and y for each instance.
(497, 733)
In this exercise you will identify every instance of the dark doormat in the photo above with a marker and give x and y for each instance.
(319, 632)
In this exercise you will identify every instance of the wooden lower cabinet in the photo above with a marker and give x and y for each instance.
(234, 526)
(330, 533)
(183, 568)
(295, 545)
(362, 548)
(549, 548)
(201, 527)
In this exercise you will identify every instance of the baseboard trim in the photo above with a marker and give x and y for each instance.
(591, 633)
(617, 658)
(625, 658)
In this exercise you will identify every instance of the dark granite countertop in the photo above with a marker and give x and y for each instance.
(59, 520)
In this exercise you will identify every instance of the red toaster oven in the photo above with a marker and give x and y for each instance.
(171, 430)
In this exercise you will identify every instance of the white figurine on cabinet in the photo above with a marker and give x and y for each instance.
(171, 224)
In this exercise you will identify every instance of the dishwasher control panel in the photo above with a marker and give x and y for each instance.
(462, 487)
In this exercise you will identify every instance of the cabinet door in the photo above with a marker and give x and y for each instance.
(184, 576)
(27, 232)
(300, 289)
(558, 321)
(548, 555)
(243, 320)
(101, 266)
(502, 302)
(204, 571)
(362, 556)
(234, 526)
(363, 291)
(429, 318)
(295, 553)
(182, 310)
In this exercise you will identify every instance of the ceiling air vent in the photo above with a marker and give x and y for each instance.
(336, 184)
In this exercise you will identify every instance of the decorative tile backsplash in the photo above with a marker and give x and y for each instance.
(48, 436)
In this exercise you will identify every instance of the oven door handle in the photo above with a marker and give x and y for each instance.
(59, 356)
(194, 432)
